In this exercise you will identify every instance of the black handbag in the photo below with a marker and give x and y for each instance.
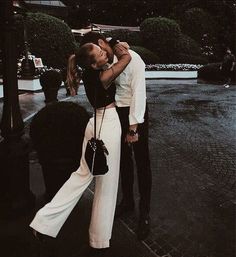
(96, 152)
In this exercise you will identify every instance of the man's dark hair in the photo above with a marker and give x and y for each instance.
(92, 37)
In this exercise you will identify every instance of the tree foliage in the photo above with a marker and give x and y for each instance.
(49, 38)
(196, 22)
(147, 56)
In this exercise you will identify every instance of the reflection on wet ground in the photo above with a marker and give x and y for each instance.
(193, 150)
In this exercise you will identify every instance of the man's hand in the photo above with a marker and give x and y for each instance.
(132, 135)
(131, 139)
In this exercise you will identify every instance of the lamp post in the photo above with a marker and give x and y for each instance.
(16, 197)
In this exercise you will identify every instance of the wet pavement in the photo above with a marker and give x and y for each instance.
(193, 148)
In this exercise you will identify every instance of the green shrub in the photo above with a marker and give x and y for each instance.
(57, 131)
(212, 73)
(191, 59)
(50, 81)
(131, 37)
(49, 38)
(51, 78)
(161, 36)
(187, 45)
(196, 22)
(203, 28)
(148, 56)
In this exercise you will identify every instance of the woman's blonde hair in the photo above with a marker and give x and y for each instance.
(73, 78)
(82, 58)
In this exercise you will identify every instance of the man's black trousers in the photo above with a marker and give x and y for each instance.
(141, 156)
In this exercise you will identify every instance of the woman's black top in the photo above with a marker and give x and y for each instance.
(97, 95)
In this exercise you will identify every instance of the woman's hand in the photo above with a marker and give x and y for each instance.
(125, 44)
(120, 49)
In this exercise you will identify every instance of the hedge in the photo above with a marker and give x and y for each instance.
(187, 45)
(191, 59)
(57, 131)
(148, 56)
(212, 73)
(161, 36)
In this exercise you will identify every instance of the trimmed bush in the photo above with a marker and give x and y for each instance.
(57, 132)
(49, 38)
(50, 78)
(148, 56)
(131, 37)
(191, 59)
(212, 73)
(161, 35)
(50, 82)
(187, 45)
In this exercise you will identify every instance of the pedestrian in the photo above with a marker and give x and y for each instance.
(227, 67)
(92, 61)
(133, 113)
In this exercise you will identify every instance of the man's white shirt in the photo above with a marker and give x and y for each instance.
(131, 88)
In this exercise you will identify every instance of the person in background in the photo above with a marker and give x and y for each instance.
(133, 113)
(227, 67)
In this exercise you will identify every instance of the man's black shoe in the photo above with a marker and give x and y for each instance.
(88, 251)
(124, 208)
(143, 228)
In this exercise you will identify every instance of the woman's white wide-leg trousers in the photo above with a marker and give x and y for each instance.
(52, 216)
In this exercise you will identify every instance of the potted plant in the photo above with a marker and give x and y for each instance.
(50, 81)
(57, 133)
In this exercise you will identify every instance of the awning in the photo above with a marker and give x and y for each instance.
(102, 28)
(45, 2)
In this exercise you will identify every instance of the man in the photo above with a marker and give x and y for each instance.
(227, 67)
(133, 114)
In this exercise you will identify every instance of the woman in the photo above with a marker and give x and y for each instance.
(98, 79)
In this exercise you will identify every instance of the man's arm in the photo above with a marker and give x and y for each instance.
(138, 88)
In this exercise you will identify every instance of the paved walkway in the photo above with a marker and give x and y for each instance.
(193, 148)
